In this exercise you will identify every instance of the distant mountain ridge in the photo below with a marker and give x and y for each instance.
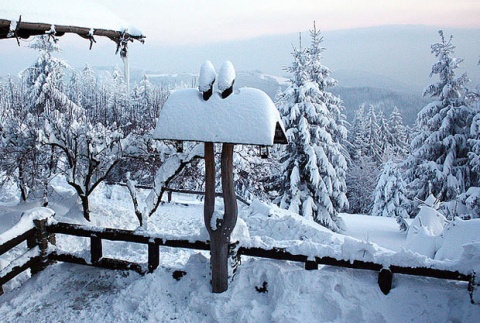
(375, 89)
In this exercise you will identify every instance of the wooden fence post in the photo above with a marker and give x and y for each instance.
(311, 265)
(153, 256)
(42, 238)
(95, 249)
(385, 278)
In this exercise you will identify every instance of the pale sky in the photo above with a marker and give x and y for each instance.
(204, 21)
(258, 35)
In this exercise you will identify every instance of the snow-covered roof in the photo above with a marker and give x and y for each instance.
(85, 14)
(247, 116)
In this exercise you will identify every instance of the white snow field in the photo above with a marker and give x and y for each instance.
(261, 290)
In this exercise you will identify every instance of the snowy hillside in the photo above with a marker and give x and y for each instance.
(260, 291)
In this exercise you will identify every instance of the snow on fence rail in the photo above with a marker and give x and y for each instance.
(32, 229)
(42, 232)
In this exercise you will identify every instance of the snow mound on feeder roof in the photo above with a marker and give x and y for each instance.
(206, 77)
(85, 13)
(248, 116)
(226, 76)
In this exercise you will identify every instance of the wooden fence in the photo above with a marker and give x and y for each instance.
(36, 258)
(42, 234)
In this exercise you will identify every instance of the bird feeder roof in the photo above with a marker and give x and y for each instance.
(247, 116)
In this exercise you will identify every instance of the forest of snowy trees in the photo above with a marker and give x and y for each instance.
(57, 121)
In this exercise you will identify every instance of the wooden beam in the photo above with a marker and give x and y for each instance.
(27, 29)
(6, 246)
(124, 235)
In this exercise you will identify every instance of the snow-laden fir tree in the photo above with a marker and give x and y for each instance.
(397, 133)
(391, 193)
(44, 79)
(356, 135)
(313, 163)
(438, 159)
(374, 139)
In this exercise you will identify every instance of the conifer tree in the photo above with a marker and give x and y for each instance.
(391, 193)
(313, 163)
(438, 157)
(397, 133)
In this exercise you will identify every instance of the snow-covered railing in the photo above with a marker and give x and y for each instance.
(96, 235)
(154, 241)
(385, 273)
(32, 229)
(39, 231)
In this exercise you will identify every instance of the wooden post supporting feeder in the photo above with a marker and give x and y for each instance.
(246, 116)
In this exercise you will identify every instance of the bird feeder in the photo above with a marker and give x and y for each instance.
(228, 116)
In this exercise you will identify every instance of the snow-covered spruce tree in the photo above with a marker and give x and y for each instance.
(313, 165)
(362, 178)
(45, 94)
(391, 193)
(397, 134)
(439, 151)
(373, 136)
(356, 135)
(44, 79)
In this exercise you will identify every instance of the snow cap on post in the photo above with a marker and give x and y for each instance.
(206, 79)
(226, 78)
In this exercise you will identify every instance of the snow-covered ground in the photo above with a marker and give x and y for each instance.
(261, 290)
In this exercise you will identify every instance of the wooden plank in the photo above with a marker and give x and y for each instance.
(64, 257)
(275, 253)
(429, 272)
(356, 264)
(107, 263)
(19, 269)
(124, 235)
(6, 246)
(117, 264)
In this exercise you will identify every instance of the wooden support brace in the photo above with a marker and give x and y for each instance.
(153, 256)
(311, 265)
(95, 249)
(385, 278)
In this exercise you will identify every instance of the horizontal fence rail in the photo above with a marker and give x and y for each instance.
(38, 257)
(97, 234)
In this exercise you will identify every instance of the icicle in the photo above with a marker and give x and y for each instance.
(126, 71)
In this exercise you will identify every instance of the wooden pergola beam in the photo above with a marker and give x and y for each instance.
(28, 29)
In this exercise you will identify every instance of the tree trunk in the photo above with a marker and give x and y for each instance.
(21, 183)
(86, 207)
